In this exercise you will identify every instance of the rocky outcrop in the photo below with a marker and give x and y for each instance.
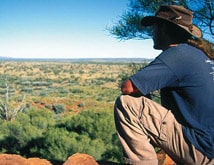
(80, 159)
(12, 159)
(76, 159)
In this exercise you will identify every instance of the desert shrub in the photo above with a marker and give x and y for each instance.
(38, 133)
(36, 101)
(98, 126)
(2, 84)
(17, 135)
(27, 89)
(17, 98)
(56, 71)
(76, 90)
(26, 83)
(40, 83)
(94, 147)
(42, 93)
(100, 98)
(113, 150)
(92, 124)
(73, 81)
(81, 71)
(11, 90)
(106, 79)
(81, 105)
(57, 144)
(3, 91)
(40, 122)
(63, 91)
(41, 119)
(48, 106)
(59, 108)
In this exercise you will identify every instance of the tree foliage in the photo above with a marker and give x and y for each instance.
(128, 27)
(38, 133)
(94, 125)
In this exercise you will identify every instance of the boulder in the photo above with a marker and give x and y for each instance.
(12, 159)
(80, 159)
(75, 159)
(37, 161)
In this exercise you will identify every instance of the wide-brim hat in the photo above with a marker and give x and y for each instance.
(177, 15)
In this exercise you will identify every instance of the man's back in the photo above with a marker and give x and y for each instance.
(193, 93)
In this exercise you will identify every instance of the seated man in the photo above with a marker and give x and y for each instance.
(183, 126)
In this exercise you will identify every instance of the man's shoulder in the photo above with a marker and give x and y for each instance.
(181, 52)
(180, 49)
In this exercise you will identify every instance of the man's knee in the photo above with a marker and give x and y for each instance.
(129, 101)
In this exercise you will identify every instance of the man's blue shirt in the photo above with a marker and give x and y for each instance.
(185, 76)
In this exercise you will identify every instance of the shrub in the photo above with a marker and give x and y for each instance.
(27, 89)
(92, 124)
(59, 108)
(76, 90)
(18, 134)
(57, 144)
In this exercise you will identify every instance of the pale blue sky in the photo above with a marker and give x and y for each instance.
(65, 29)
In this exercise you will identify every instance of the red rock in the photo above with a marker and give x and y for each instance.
(75, 159)
(12, 159)
(37, 161)
(80, 159)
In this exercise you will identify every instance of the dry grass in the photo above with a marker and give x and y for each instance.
(94, 85)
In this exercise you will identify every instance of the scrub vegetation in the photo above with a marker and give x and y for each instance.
(54, 109)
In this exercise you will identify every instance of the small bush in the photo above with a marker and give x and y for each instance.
(59, 108)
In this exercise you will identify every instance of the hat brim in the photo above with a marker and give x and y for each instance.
(150, 20)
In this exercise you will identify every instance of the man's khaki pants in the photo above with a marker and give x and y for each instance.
(141, 122)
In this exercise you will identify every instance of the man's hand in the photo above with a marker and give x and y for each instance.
(129, 88)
